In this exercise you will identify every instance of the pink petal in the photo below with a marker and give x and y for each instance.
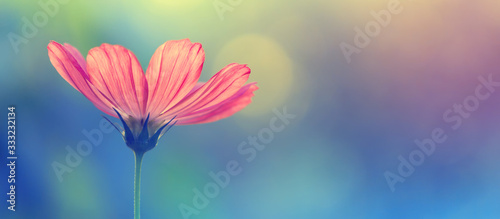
(173, 71)
(220, 87)
(70, 65)
(77, 55)
(221, 110)
(118, 75)
(196, 86)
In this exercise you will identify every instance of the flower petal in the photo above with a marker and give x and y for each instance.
(117, 74)
(220, 87)
(173, 71)
(221, 110)
(77, 55)
(71, 66)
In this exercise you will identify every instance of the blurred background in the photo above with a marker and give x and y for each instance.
(353, 119)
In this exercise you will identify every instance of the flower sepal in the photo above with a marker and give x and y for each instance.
(142, 142)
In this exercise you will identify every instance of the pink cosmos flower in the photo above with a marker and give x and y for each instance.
(167, 94)
(114, 81)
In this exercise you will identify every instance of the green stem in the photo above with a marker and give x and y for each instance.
(137, 184)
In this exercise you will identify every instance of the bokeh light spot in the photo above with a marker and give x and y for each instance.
(271, 69)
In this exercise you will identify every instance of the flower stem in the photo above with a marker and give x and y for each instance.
(137, 184)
